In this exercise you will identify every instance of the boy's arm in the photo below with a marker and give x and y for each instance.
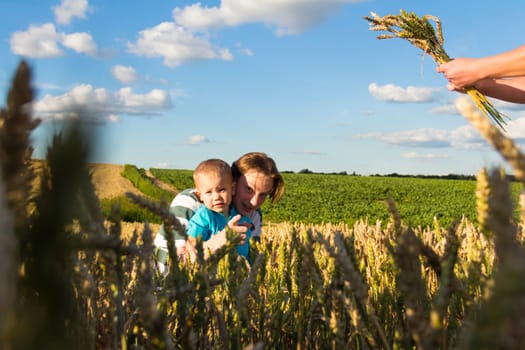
(191, 251)
(199, 227)
(210, 246)
(215, 242)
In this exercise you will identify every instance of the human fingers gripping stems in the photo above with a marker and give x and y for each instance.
(460, 72)
(239, 227)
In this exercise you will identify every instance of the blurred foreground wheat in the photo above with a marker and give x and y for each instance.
(71, 278)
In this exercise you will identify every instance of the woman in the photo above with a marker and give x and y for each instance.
(256, 178)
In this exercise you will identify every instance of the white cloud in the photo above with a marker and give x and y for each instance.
(516, 128)
(140, 103)
(37, 42)
(287, 17)
(464, 137)
(243, 50)
(176, 45)
(449, 108)
(413, 138)
(124, 74)
(196, 139)
(186, 38)
(414, 155)
(394, 93)
(44, 41)
(100, 105)
(69, 9)
(80, 43)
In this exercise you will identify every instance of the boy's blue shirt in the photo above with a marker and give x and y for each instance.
(206, 222)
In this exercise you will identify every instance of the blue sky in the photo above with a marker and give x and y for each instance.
(170, 83)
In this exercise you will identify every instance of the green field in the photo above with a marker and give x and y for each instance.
(326, 198)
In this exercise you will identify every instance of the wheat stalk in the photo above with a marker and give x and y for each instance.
(506, 147)
(482, 199)
(420, 33)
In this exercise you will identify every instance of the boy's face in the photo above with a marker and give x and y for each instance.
(215, 192)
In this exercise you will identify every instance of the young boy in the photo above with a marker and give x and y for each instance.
(214, 187)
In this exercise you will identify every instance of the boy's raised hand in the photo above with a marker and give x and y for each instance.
(240, 227)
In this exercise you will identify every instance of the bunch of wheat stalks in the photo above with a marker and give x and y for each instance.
(420, 32)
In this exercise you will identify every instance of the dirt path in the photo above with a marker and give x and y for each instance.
(161, 184)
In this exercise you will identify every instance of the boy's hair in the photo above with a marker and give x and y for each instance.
(260, 162)
(212, 166)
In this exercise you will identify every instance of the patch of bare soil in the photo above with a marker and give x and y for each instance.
(109, 182)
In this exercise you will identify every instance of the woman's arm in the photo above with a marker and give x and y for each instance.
(511, 89)
(462, 72)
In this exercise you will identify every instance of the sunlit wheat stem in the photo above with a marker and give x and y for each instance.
(500, 220)
(522, 211)
(352, 275)
(448, 283)
(412, 286)
(482, 199)
(500, 323)
(504, 145)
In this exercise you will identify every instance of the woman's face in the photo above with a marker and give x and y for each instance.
(251, 190)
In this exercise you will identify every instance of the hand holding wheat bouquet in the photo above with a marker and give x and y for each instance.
(420, 32)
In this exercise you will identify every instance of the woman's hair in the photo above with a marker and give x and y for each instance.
(260, 162)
